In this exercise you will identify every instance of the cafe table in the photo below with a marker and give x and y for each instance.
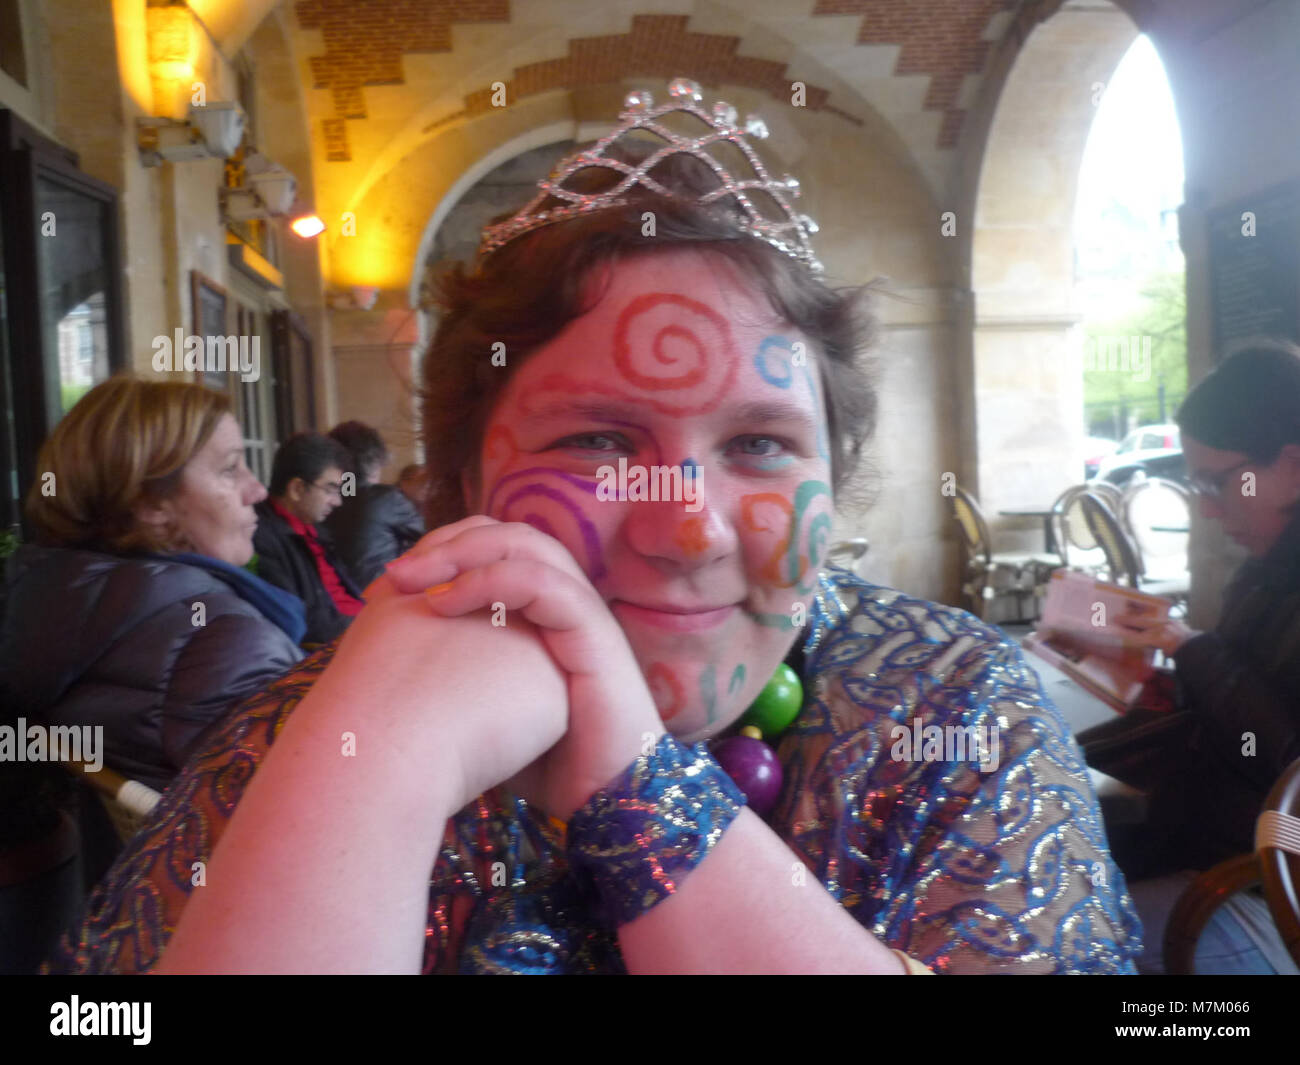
(1043, 514)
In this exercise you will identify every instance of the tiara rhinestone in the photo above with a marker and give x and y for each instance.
(639, 100)
(788, 232)
(684, 88)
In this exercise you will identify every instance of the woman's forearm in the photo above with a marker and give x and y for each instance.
(324, 866)
(751, 907)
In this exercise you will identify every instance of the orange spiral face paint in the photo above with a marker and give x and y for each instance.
(691, 537)
(666, 690)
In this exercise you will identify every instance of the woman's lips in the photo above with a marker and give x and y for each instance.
(673, 619)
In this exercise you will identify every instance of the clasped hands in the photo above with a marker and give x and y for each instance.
(553, 701)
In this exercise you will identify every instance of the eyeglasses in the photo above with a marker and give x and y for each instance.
(1211, 485)
(331, 488)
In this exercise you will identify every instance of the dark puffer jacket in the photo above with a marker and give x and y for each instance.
(98, 639)
(373, 528)
(1242, 683)
(285, 559)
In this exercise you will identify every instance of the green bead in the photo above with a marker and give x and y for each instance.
(777, 704)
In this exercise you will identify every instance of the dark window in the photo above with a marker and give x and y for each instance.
(291, 361)
(62, 314)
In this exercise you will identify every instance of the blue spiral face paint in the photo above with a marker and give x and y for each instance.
(775, 360)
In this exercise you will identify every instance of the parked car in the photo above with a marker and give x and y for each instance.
(1096, 448)
(1171, 466)
(1155, 449)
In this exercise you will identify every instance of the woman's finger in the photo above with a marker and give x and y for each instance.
(443, 533)
(406, 573)
(480, 545)
(386, 583)
(575, 622)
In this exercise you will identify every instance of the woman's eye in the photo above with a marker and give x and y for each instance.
(761, 446)
(764, 452)
(592, 442)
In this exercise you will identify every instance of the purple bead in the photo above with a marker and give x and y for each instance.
(752, 764)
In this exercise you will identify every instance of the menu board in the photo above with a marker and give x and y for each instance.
(1255, 266)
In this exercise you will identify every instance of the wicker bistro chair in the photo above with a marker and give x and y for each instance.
(1108, 493)
(1275, 864)
(1146, 505)
(1122, 559)
(981, 567)
(1074, 540)
(128, 802)
(1122, 563)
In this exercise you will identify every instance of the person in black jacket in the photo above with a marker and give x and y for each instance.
(378, 523)
(1240, 682)
(293, 552)
(130, 612)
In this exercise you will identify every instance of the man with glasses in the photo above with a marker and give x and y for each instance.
(293, 552)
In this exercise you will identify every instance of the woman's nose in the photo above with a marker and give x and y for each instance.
(687, 535)
(254, 491)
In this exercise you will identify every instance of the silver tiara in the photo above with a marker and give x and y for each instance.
(788, 232)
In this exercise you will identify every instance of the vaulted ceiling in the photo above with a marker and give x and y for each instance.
(382, 78)
(393, 70)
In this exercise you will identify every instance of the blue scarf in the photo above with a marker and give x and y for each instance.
(277, 605)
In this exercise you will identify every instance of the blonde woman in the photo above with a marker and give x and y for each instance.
(131, 609)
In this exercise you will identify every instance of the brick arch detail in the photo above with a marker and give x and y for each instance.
(656, 46)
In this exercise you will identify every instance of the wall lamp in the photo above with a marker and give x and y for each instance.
(211, 132)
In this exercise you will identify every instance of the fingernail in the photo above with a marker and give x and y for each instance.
(438, 589)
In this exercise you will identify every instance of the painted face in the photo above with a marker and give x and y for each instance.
(1253, 500)
(214, 507)
(673, 438)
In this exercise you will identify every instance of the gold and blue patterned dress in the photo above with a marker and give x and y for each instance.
(968, 867)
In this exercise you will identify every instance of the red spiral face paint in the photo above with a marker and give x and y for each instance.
(666, 690)
(681, 356)
(670, 353)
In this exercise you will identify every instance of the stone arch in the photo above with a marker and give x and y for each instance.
(1026, 380)
(532, 140)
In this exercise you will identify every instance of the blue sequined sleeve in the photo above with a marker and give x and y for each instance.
(939, 796)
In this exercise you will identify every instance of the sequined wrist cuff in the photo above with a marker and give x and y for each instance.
(635, 839)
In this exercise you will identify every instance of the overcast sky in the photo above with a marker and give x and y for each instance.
(1134, 152)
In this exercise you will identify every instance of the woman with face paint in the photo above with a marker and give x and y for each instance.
(635, 436)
